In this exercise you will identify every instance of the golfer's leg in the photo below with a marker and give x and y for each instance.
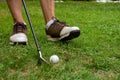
(19, 28)
(56, 30)
(15, 9)
(48, 9)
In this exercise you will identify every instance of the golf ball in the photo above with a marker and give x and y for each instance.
(54, 59)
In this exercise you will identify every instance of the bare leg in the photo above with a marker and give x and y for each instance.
(56, 30)
(19, 28)
(48, 9)
(15, 7)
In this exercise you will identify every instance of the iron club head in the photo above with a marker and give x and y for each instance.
(41, 59)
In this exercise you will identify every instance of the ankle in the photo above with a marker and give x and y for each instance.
(19, 23)
(50, 22)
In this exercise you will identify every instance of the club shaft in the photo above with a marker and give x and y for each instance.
(32, 29)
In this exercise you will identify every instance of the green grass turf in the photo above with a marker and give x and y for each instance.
(95, 55)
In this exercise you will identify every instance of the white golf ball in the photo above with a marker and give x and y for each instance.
(54, 59)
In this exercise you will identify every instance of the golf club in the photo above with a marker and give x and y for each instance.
(40, 58)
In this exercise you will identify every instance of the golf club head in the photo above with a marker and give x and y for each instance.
(41, 59)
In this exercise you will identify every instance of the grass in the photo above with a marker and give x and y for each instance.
(95, 55)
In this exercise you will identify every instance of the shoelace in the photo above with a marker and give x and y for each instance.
(19, 27)
(57, 22)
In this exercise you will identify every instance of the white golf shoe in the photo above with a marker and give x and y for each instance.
(19, 34)
(59, 31)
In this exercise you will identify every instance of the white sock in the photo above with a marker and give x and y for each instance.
(16, 23)
(50, 22)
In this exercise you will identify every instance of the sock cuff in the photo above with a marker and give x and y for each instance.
(50, 22)
(19, 22)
